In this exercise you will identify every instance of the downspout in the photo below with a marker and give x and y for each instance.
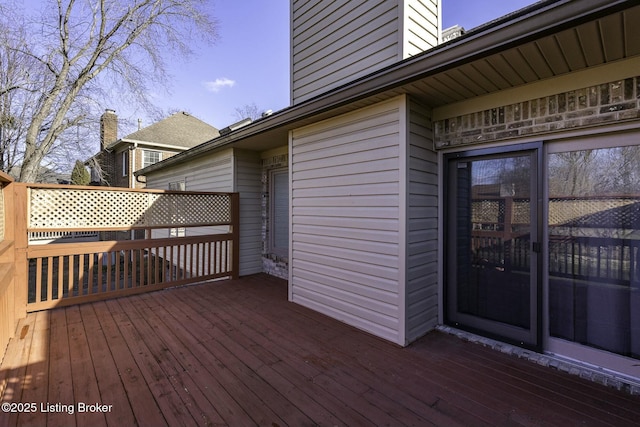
(132, 183)
(133, 165)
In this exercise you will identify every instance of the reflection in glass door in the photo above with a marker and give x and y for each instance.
(492, 243)
(594, 248)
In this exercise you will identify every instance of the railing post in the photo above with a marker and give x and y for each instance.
(20, 211)
(235, 231)
(8, 317)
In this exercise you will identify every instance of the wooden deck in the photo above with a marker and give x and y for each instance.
(237, 353)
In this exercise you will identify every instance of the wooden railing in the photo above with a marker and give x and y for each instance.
(597, 259)
(50, 236)
(9, 306)
(69, 272)
(500, 237)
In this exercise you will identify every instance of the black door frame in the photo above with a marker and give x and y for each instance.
(534, 341)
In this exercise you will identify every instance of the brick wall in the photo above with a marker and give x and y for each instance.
(271, 263)
(108, 128)
(612, 102)
(135, 160)
(118, 179)
(104, 166)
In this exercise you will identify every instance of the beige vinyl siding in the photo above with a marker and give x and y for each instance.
(344, 252)
(207, 173)
(422, 226)
(248, 182)
(421, 26)
(337, 42)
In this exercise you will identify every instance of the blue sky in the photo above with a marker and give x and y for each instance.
(249, 64)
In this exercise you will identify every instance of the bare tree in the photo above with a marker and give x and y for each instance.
(572, 173)
(80, 51)
(15, 97)
(248, 111)
(621, 172)
(612, 171)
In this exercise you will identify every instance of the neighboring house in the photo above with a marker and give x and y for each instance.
(45, 175)
(119, 158)
(490, 183)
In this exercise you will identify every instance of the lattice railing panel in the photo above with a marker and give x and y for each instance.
(55, 208)
(186, 209)
(583, 210)
(95, 209)
(487, 211)
(591, 212)
(521, 212)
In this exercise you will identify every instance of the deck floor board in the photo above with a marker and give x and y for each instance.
(57, 373)
(237, 353)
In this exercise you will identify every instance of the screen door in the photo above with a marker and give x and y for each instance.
(492, 243)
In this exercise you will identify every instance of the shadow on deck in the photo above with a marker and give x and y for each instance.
(237, 353)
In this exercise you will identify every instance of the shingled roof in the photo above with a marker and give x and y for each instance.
(178, 130)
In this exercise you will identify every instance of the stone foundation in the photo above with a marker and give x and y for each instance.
(591, 373)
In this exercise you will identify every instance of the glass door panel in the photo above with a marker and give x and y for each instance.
(594, 248)
(492, 280)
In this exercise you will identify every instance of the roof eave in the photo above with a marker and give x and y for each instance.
(528, 24)
(155, 144)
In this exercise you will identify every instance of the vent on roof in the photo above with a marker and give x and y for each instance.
(452, 33)
(235, 126)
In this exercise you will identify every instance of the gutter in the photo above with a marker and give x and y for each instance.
(132, 166)
(138, 142)
(528, 24)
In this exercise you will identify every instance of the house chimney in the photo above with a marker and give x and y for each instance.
(108, 128)
(319, 62)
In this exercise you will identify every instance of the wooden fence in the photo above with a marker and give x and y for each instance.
(132, 252)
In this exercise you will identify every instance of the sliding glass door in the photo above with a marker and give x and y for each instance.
(543, 250)
(593, 232)
(492, 243)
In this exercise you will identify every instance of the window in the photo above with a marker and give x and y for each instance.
(150, 157)
(279, 213)
(125, 163)
(177, 186)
